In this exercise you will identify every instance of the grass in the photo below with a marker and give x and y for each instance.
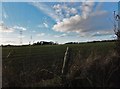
(35, 66)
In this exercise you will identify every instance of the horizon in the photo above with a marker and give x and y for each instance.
(60, 22)
(55, 43)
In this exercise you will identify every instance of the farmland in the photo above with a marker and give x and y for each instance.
(91, 65)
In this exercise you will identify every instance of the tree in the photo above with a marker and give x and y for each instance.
(117, 32)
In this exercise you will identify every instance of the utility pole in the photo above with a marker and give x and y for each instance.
(31, 40)
(21, 33)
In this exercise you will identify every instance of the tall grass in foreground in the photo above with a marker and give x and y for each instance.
(100, 68)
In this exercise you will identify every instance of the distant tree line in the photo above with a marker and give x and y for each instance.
(72, 43)
(45, 43)
(91, 42)
(37, 43)
(55, 43)
(102, 41)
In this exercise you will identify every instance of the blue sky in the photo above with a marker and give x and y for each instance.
(56, 21)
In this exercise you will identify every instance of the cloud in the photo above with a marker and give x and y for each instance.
(62, 35)
(78, 24)
(67, 24)
(87, 8)
(40, 34)
(4, 14)
(46, 9)
(63, 11)
(73, 11)
(21, 36)
(88, 23)
(20, 28)
(66, 35)
(58, 11)
(5, 29)
(9, 42)
(46, 25)
(102, 33)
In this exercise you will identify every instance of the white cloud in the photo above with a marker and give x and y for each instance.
(73, 10)
(78, 24)
(9, 42)
(40, 34)
(87, 8)
(62, 35)
(67, 24)
(20, 28)
(4, 14)
(88, 23)
(68, 19)
(102, 33)
(46, 25)
(58, 6)
(21, 36)
(5, 29)
(46, 9)
(58, 11)
(64, 11)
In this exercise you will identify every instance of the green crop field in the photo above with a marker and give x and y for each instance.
(25, 66)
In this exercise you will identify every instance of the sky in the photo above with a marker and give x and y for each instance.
(56, 21)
